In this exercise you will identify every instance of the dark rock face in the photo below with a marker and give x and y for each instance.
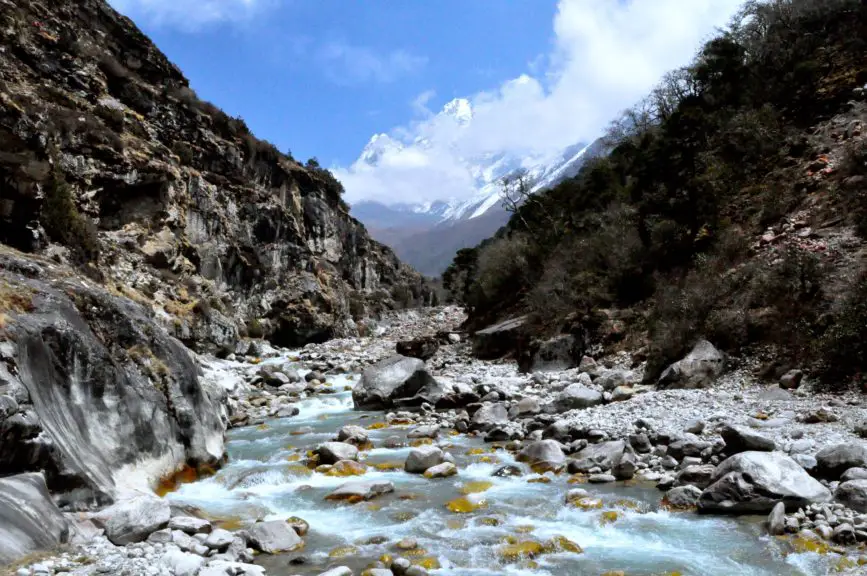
(559, 353)
(105, 389)
(497, 341)
(421, 348)
(29, 520)
(190, 211)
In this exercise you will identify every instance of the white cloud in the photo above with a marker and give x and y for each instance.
(189, 14)
(608, 54)
(348, 64)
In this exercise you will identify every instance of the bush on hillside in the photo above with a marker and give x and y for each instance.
(64, 224)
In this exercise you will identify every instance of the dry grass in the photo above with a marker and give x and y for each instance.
(130, 293)
(153, 367)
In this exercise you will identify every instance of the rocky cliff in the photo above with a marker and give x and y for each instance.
(137, 221)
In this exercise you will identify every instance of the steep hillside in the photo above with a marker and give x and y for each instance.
(732, 207)
(110, 162)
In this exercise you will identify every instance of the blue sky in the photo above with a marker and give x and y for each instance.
(320, 77)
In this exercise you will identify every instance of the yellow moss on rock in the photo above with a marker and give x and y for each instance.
(609, 517)
(343, 551)
(476, 487)
(464, 505)
(527, 549)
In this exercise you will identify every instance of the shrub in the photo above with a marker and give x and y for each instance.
(255, 329)
(844, 344)
(63, 222)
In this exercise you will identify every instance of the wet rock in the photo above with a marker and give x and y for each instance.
(777, 520)
(426, 431)
(396, 380)
(273, 537)
(508, 471)
(753, 482)
(355, 435)
(543, 455)
(29, 519)
(832, 461)
(190, 525)
(682, 497)
(576, 396)
(360, 490)
(605, 455)
(741, 439)
(337, 571)
(791, 379)
(300, 525)
(422, 348)
(496, 341)
(8, 407)
(699, 369)
(488, 416)
(626, 467)
(640, 443)
(853, 494)
(133, 520)
(601, 478)
(333, 452)
(699, 476)
(443, 470)
(422, 458)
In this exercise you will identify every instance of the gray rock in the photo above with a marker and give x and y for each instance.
(853, 494)
(273, 537)
(190, 525)
(525, 407)
(396, 380)
(508, 471)
(777, 520)
(337, 571)
(695, 427)
(543, 455)
(8, 407)
(832, 461)
(687, 445)
(854, 474)
(626, 467)
(496, 341)
(699, 369)
(361, 490)
(488, 416)
(422, 458)
(612, 379)
(791, 379)
(754, 482)
(605, 455)
(29, 519)
(443, 470)
(219, 539)
(741, 439)
(601, 478)
(133, 520)
(182, 563)
(559, 353)
(334, 452)
(226, 568)
(355, 435)
(640, 443)
(426, 431)
(622, 393)
(576, 396)
(806, 461)
(682, 497)
(699, 476)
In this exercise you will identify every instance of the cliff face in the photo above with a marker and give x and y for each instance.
(162, 197)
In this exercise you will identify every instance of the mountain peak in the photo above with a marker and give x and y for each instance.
(460, 109)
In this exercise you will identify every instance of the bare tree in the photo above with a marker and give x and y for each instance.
(516, 190)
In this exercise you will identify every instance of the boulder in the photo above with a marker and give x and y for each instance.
(754, 482)
(854, 474)
(741, 439)
(443, 470)
(273, 537)
(133, 520)
(791, 379)
(622, 393)
(219, 539)
(605, 455)
(425, 431)
(698, 369)
(687, 445)
(543, 455)
(626, 467)
(560, 353)
(398, 381)
(334, 452)
(611, 379)
(528, 406)
(29, 519)
(422, 458)
(182, 563)
(355, 435)
(224, 568)
(699, 475)
(777, 520)
(576, 396)
(190, 525)
(853, 494)
(422, 348)
(488, 416)
(496, 341)
(682, 497)
(832, 461)
(361, 490)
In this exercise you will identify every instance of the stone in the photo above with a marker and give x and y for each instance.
(227, 568)
(396, 381)
(361, 490)
(543, 455)
(605, 455)
(488, 416)
(699, 476)
(190, 525)
(640, 443)
(29, 519)
(805, 461)
(525, 407)
(754, 482)
(611, 379)
(422, 458)
(854, 474)
(219, 539)
(687, 445)
(498, 340)
(682, 497)
(422, 348)
(337, 571)
(273, 537)
(508, 471)
(819, 416)
(8, 407)
(559, 353)
(355, 435)
(443, 470)
(426, 431)
(777, 520)
(853, 494)
(300, 525)
(791, 379)
(333, 452)
(622, 393)
(576, 396)
(698, 369)
(844, 533)
(626, 467)
(741, 439)
(833, 461)
(695, 427)
(601, 478)
(182, 563)
(133, 520)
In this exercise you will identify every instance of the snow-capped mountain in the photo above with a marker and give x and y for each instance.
(434, 224)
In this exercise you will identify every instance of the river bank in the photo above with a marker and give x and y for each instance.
(496, 514)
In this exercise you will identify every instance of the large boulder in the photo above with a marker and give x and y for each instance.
(698, 369)
(135, 519)
(496, 341)
(273, 537)
(488, 416)
(742, 439)
(832, 461)
(682, 497)
(422, 458)
(543, 455)
(361, 490)
(334, 452)
(576, 396)
(29, 519)
(687, 445)
(559, 353)
(422, 348)
(605, 455)
(396, 381)
(754, 482)
(853, 494)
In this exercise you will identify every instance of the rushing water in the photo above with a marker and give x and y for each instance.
(265, 478)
